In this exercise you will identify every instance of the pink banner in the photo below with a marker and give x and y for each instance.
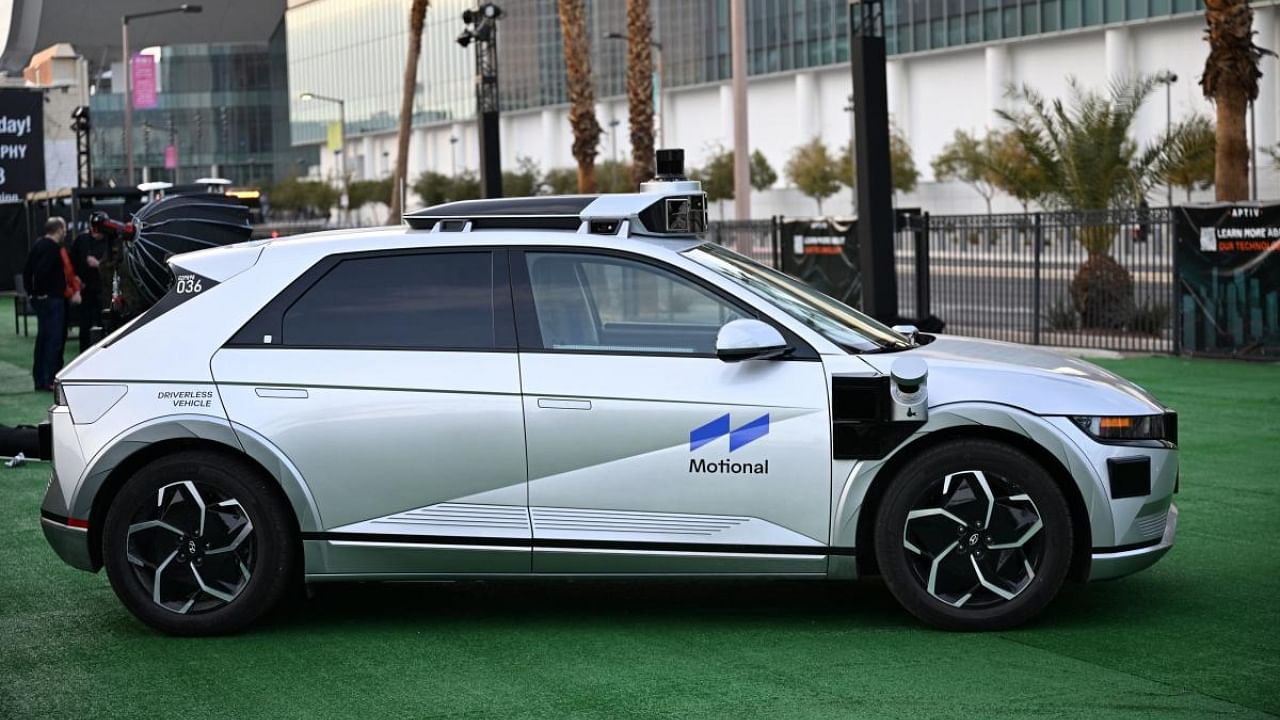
(170, 157)
(144, 82)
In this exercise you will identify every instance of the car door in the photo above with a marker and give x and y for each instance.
(648, 454)
(391, 382)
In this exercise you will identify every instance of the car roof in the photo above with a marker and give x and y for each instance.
(618, 220)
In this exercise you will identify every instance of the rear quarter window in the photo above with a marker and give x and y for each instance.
(186, 285)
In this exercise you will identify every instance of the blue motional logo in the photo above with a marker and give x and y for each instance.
(720, 427)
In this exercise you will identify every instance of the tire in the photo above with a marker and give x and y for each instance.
(184, 579)
(954, 563)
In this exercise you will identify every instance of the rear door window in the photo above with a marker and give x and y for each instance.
(424, 301)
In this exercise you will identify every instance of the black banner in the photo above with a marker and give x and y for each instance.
(823, 252)
(21, 143)
(1228, 277)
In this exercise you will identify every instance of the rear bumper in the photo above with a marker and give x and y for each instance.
(71, 543)
(1107, 565)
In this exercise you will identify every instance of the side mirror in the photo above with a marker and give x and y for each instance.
(749, 339)
(909, 330)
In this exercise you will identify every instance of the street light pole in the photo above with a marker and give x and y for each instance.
(1168, 77)
(853, 151)
(613, 151)
(127, 69)
(659, 80)
(741, 147)
(342, 136)
(482, 29)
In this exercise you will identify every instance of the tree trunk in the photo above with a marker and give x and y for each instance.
(582, 104)
(1231, 172)
(1230, 79)
(417, 18)
(640, 90)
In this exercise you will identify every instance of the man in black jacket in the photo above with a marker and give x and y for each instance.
(47, 284)
(87, 252)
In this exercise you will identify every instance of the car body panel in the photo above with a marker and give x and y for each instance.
(622, 465)
(381, 432)
(1039, 380)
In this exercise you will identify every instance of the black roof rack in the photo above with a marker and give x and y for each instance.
(559, 212)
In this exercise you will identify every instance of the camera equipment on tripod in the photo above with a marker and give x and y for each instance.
(179, 224)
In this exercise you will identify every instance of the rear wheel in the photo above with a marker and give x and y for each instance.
(974, 535)
(197, 543)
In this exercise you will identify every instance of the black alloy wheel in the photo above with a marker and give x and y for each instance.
(974, 535)
(193, 550)
(200, 543)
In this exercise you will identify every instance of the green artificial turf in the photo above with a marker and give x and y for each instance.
(1196, 636)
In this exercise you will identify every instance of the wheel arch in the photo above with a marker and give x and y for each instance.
(122, 458)
(1080, 519)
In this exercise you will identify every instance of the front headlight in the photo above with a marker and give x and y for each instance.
(1127, 429)
(59, 396)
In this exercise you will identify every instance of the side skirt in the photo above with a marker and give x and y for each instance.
(344, 555)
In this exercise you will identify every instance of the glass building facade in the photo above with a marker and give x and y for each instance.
(355, 51)
(920, 25)
(218, 105)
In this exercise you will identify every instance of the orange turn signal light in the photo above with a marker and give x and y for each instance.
(1115, 423)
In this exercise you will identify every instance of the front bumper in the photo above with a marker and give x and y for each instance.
(1108, 565)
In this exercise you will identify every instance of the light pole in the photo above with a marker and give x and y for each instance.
(741, 144)
(342, 136)
(127, 69)
(613, 151)
(1168, 78)
(657, 84)
(482, 29)
(874, 181)
(853, 150)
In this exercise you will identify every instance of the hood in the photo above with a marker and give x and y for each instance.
(1041, 381)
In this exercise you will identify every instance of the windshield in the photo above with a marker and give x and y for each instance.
(836, 321)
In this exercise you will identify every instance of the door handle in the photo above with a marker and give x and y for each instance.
(282, 393)
(563, 404)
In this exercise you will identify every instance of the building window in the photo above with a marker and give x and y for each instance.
(1049, 18)
(1093, 12)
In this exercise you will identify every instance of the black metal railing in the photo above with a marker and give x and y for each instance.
(1096, 279)
(757, 239)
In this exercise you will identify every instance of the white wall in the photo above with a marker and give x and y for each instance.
(931, 95)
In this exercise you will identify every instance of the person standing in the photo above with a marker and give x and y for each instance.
(47, 284)
(87, 252)
(72, 295)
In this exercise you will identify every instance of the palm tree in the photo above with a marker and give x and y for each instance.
(1191, 163)
(417, 18)
(582, 104)
(1231, 80)
(1088, 162)
(1084, 151)
(640, 89)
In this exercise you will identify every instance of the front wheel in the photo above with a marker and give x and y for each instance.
(974, 535)
(197, 543)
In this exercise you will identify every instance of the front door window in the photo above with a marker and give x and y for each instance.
(606, 304)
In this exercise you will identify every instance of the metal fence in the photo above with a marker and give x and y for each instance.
(1097, 279)
(1094, 279)
(757, 239)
